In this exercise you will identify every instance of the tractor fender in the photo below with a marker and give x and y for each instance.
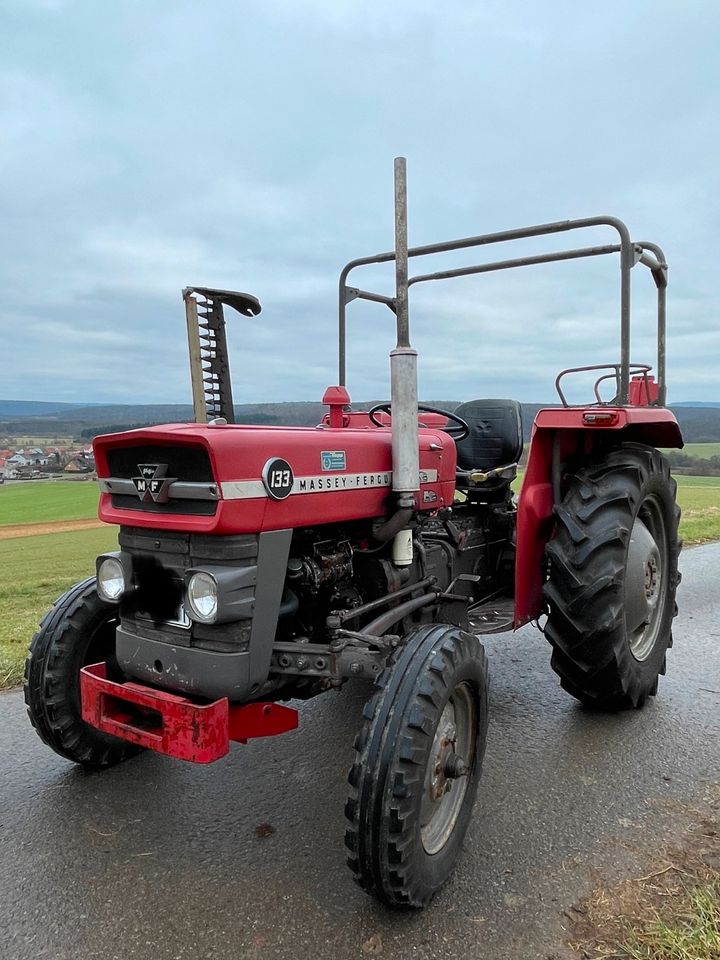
(560, 434)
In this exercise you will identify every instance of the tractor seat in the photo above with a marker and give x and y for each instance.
(487, 458)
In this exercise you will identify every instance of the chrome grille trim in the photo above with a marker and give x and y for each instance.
(177, 490)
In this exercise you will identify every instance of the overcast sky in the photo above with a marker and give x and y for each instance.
(150, 144)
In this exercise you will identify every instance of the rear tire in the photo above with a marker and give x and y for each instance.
(80, 629)
(613, 575)
(417, 766)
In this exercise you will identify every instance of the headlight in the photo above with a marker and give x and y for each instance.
(111, 583)
(202, 595)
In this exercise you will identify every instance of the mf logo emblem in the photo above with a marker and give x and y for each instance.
(153, 485)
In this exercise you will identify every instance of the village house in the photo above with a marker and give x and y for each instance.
(28, 461)
(79, 464)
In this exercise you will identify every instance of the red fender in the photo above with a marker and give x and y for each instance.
(577, 430)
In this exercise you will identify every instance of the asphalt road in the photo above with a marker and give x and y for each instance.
(160, 859)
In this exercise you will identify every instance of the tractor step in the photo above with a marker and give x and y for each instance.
(173, 725)
(494, 617)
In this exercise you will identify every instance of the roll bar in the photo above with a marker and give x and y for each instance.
(631, 253)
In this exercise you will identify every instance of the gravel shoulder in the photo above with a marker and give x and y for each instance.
(12, 530)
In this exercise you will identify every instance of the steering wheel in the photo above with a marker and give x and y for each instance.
(458, 432)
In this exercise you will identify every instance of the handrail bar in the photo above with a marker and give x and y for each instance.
(635, 368)
(518, 262)
(630, 254)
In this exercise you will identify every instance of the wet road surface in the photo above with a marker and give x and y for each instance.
(159, 859)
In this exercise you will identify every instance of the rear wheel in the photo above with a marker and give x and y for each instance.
(417, 766)
(613, 574)
(80, 629)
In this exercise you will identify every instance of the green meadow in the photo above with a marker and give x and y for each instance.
(34, 571)
(42, 501)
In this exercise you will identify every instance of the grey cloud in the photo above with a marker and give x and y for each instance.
(146, 146)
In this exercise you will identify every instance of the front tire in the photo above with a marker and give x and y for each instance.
(80, 629)
(418, 759)
(613, 575)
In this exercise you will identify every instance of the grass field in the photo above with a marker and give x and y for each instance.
(699, 499)
(35, 570)
(15, 442)
(702, 450)
(41, 501)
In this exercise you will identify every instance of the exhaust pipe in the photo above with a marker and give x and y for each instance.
(403, 378)
(403, 359)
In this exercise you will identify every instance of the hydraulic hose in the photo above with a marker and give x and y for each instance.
(397, 522)
(380, 624)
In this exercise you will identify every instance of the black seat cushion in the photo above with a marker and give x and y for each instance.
(495, 438)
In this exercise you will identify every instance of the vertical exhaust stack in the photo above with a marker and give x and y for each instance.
(403, 377)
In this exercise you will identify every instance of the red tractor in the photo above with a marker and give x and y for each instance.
(264, 565)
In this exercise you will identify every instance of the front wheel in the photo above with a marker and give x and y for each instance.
(418, 759)
(613, 573)
(80, 629)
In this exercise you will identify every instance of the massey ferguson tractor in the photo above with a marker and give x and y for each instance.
(260, 566)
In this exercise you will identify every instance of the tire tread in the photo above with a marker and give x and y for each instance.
(586, 562)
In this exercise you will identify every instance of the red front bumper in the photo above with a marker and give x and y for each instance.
(175, 725)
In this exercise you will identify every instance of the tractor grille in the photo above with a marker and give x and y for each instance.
(160, 559)
(187, 464)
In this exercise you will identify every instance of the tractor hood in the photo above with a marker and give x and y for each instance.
(232, 478)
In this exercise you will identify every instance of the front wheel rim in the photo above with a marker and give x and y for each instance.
(449, 767)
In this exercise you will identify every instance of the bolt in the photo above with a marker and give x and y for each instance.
(302, 663)
(355, 668)
(455, 767)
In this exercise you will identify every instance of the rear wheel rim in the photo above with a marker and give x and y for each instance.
(646, 579)
(448, 769)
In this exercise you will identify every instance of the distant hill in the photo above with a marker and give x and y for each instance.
(700, 422)
(34, 408)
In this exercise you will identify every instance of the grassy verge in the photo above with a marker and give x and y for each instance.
(672, 912)
(42, 501)
(34, 571)
(699, 499)
(692, 932)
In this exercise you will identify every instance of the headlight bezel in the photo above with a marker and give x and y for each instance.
(234, 590)
(194, 612)
(125, 576)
